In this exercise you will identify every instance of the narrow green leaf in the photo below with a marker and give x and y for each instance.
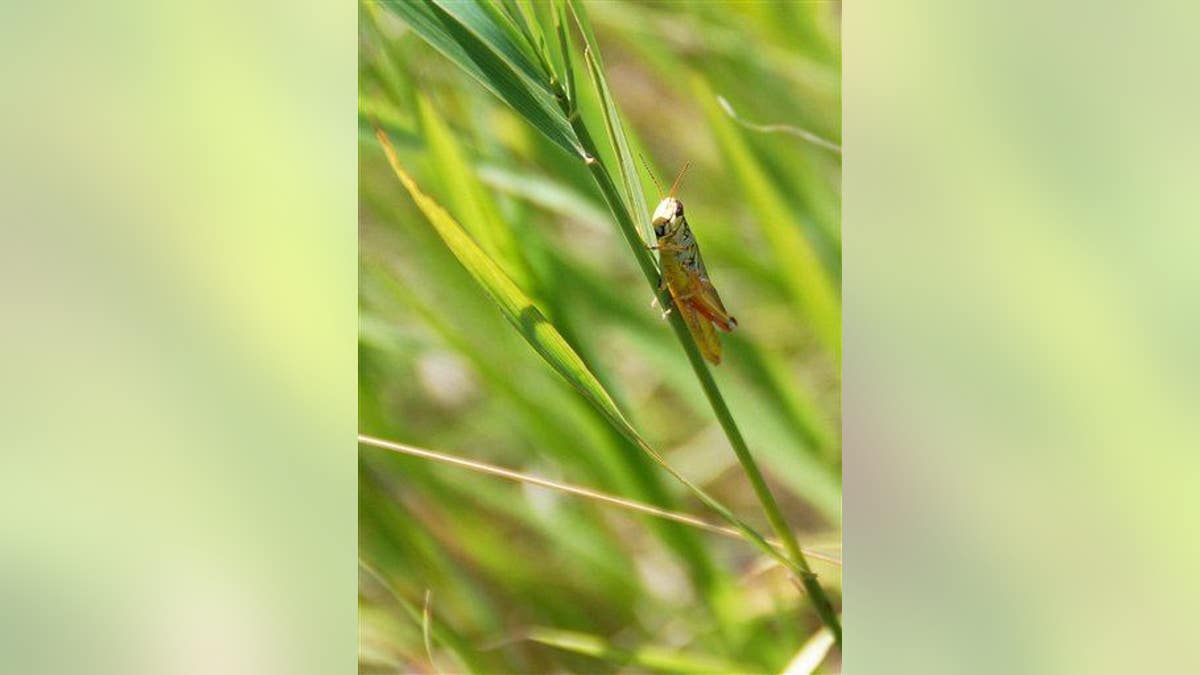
(799, 265)
(769, 374)
(431, 627)
(489, 23)
(480, 60)
(619, 206)
(525, 18)
(545, 193)
(468, 198)
(375, 111)
(635, 198)
(396, 83)
(657, 658)
(564, 44)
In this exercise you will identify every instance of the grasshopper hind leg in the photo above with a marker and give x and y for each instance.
(703, 332)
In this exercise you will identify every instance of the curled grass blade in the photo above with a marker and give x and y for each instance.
(779, 129)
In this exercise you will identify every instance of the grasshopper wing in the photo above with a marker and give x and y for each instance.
(704, 298)
(702, 331)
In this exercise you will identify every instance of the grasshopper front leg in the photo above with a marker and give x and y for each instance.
(665, 313)
(666, 247)
(662, 286)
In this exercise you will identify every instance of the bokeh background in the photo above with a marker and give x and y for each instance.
(440, 368)
(178, 400)
(1020, 402)
(177, 277)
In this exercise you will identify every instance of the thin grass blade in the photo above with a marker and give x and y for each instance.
(506, 37)
(799, 265)
(620, 207)
(457, 645)
(810, 656)
(635, 198)
(587, 493)
(467, 198)
(657, 658)
(426, 633)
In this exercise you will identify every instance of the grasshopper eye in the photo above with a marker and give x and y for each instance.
(678, 209)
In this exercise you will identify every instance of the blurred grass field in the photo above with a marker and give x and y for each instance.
(526, 579)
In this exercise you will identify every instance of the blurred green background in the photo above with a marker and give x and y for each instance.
(521, 578)
(178, 401)
(1022, 312)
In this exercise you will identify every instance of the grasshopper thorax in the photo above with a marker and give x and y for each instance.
(667, 215)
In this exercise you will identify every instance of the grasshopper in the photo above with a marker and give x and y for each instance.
(684, 275)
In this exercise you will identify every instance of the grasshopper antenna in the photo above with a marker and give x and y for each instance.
(651, 173)
(679, 178)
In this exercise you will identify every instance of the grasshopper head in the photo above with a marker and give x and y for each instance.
(667, 214)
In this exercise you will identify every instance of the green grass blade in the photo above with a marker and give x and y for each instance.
(656, 658)
(809, 658)
(777, 128)
(482, 60)
(635, 198)
(550, 345)
(384, 62)
(441, 366)
(458, 646)
(426, 633)
(564, 43)
(467, 197)
(767, 373)
(488, 22)
(545, 193)
(577, 490)
(764, 370)
(619, 206)
(801, 269)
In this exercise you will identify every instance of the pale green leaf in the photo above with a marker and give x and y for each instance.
(648, 656)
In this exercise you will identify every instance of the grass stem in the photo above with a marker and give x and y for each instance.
(628, 504)
(800, 566)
